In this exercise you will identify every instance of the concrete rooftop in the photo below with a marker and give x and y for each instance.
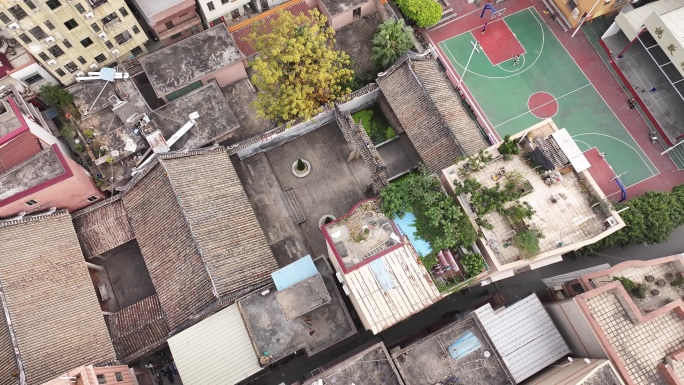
(303, 297)
(428, 362)
(240, 98)
(270, 331)
(150, 8)
(370, 366)
(34, 171)
(335, 7)
(362, 234)
(8, 119)
(190, 59)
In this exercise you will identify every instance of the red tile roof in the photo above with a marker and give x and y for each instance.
(242, 30)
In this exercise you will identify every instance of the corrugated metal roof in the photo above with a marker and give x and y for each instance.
(571, 150)
(631, 22)
(674, 21)
(215, 351)
(413, 289)
(294, 273)
(562, 278)
(524, 335)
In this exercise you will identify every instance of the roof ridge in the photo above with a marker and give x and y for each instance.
(33, 218)
(97, 205)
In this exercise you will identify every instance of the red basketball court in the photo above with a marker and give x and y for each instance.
(498, 42)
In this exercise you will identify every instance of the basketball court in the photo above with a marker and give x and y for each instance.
(545, 82)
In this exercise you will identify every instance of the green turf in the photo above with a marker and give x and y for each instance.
(502, 92)
(375, 123)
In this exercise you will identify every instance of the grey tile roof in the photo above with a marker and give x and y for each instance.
(191, 59)
(430, 111)
(198, 234)
(50, 299)
(8, 360)
(138, 329)
(102, 226)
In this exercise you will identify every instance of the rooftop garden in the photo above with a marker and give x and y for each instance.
(652, 287)
(375, 124)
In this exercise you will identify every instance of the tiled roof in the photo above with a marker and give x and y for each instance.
(8, 361)
(430, 111)
(102, 226)
(138, 329)
(48, 294)
(197, 232)
(242, 30)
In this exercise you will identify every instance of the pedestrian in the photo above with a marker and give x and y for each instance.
(631, 103)
(516, 60)
(484, 28)
(602, 154)
(653, 89)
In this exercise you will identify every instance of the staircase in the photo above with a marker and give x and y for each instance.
(593, 32)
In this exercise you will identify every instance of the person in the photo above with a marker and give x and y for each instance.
(516, 60)
(631, 103)
(484, 28)
(654, 138)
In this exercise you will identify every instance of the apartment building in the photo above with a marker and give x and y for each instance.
(69, 37)
(170, 20)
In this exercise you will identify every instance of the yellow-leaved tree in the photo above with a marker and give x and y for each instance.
(297, 70)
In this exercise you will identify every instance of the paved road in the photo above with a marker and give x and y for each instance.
(441, 312)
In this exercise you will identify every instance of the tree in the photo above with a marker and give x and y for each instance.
(297, 69)
(390, 42)
(56, 96)
(424, 13)
(300, 165)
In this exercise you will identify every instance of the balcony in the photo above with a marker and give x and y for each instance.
(180, 28)
(96, 3)
(110, 20)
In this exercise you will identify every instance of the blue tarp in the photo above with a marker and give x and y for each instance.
(381, 274)
(294, 273)
(407, 225)
(464, 345)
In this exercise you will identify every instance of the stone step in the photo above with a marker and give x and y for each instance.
(293, 206)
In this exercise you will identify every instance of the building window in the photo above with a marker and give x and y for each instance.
(118, 375)
(109, 44)
(66, 43)
(123, 11)
(123, 37)
(169, 24)
(571, 5)
(18, 12)
(235, 14)
(48, 24)
(71, 24)
(30, 4)
(53, 4)
(24, 37)
(210, 6)
(100, 58)
(56, 50)
(137, 51)
(44, 56)
(35, 78)
(92, 199)
(110, 20)
(4, 18)
(81, 60)
(80, 8)
(60, 72)
(38, 33)
(101, 379)
(176, 36)
(86, 42)
(95, 27)
(71, 67)
(225, 1)
(31, 202)
(135, 29)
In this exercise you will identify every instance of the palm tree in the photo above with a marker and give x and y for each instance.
(390, 42)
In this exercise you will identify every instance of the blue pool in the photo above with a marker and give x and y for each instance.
(407, 225)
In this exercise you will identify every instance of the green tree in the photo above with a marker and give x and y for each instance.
(528, 243)
(300, 165)
(424, 13)
(56, 96)
(390, 42)
(474, 264)
(297, 69)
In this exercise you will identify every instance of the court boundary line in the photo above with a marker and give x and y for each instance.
(521, 66)
(542, 105)
(604, 101)
(556, 99)
(626, 144)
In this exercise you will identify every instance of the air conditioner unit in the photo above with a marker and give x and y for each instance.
(79, 73)
(89, 15)
(116, 52)
(14, 26)
(102, 35)
(93, 66)
(50, 40)
(51, 62)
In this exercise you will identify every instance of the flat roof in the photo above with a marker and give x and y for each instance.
(461, 350)
(336, 7)
(631, 22)
(274, 336)
(361, 235)
(294, 273)
(391, 288)
(190, 59)
(524, 335)
(35, 171)
(150, 8)
(8, 119)
(215, 351)
(303, 297)
(372, 365)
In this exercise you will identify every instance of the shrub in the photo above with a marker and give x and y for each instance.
(424, 13)
(474, 264)
(627, 283)
(639, 290)
(520, 211)
(88, 133)
(678, 282)
(79, 147)
(508, 147)
(528, 243)
(300, 165)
